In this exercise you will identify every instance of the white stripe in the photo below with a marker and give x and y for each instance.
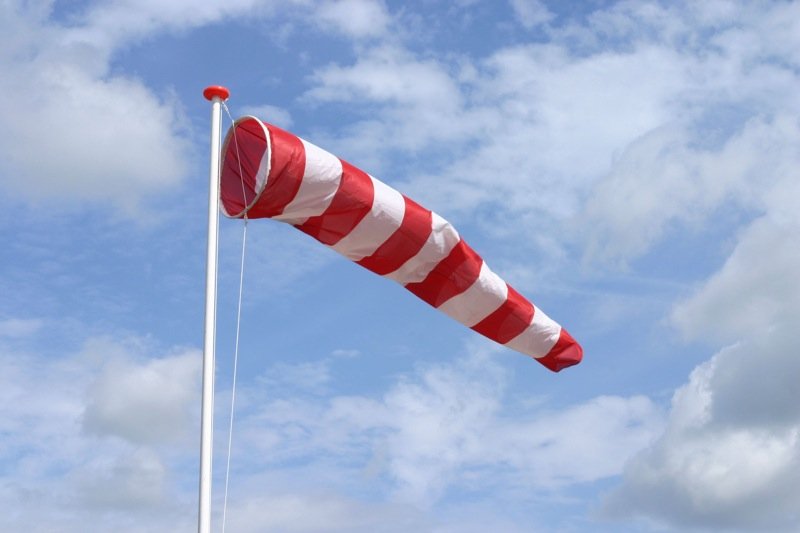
(440, 243)
(386, 215)
(539, 338)
(321, 179)
(480, 300)
(265, 165)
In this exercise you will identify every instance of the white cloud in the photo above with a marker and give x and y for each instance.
(320, 512)
(19, 327)
(655, 126)
(355, 18)
(730, 455)
(310, 376)
(756, 289)
(130, 482)
(446, 436)
(76, 133)
(346, 353)
(144, 402)
(79, 133)
(525, 130)
(418, 103)
(269, 113)
(665, 178)
(445, 427)
(388, 75)
(111, 24)
(66, 478)
(531, 13)
(101, 418)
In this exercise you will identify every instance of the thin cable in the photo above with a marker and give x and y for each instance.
(235, 369)
(238, 328)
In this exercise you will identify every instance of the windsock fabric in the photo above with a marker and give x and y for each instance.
(270, 173)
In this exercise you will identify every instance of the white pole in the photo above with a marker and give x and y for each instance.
(216, 95)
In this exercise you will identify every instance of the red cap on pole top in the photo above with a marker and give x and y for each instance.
(216, 90)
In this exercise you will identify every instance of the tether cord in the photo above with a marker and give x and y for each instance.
(238, 329)
(235, 369)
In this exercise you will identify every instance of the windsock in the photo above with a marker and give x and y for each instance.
(270, 173)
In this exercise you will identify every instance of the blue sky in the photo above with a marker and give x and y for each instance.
(632, 167)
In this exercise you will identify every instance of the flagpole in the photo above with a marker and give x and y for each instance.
(216, 95)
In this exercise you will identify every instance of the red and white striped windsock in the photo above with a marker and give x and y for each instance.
(270, 173)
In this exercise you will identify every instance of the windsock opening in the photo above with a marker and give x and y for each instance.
(245, 165)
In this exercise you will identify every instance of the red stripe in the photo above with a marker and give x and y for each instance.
(453, 275)
(509, 320)
(287, 165)
(351, 203)
(565, 353)
(251, 147)
(404, 243)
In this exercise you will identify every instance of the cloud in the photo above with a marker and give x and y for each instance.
(639, 119)
(52, 469)
(756, 289)
(310, 376)
(80, 133)
(110, 25)
(19, 327)
(451, 432)
(730, 455)
(108, 419)
(665, 179)
(525, 130)
(446, 427)
(130, 482)
(346, 353)
(321, 512)
(75, 132)
(410, 104)
(269, 113)
(531, 13)
(728, 137)
(143, 402)
(354, 18)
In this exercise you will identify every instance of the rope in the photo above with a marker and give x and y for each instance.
(235, 369)
(238, 329)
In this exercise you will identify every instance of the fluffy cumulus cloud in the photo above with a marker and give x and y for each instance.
(640, 117)
(531, 13)
(754, 291)
(122, 399)
(321, 512)
(105, 419)
(444, 429)
(79, 131)
(76, 132)
(355, 18)
(668, 178)
(525, 129)
(730, 455)
(113, 421)
(19, 327)
(730, 136)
